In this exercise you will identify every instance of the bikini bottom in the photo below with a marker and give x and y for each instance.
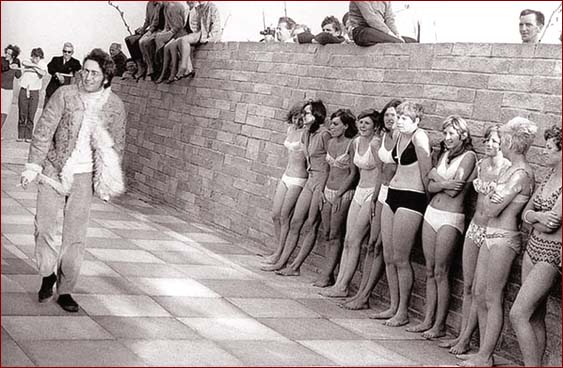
(542, 250)
(362, 195)
(503, 238)
(330, 195)
(290, 180)
(406, 199)
(438, 218)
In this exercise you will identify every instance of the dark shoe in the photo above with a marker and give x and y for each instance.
(67, 303)
(189, 75)
(46, 291)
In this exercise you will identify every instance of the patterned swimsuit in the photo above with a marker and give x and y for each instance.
(539, 249)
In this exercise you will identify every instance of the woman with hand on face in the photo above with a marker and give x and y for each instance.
(541, 266)
(444, 221)
(484, 179)
(406, 204)
(339, 191)
(503, 243)
(307, 209)
(373, 266)
(292, 181)
(357, 225)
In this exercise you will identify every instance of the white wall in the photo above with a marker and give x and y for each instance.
(89, 24)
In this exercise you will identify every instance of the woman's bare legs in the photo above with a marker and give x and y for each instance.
(298, 219)
(406, 224)
(185, 48)
(461, 344)
(497, 276)
(387, 220)
(528, 311)
(166, 61)
(357, 228)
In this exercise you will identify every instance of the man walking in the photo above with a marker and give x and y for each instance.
(75, 151)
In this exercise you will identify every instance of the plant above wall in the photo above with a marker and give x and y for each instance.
(121, 14)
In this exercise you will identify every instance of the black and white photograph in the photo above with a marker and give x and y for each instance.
(281, 183)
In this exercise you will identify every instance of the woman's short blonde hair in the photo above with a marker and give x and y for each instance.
(411, 109)
(522, 133)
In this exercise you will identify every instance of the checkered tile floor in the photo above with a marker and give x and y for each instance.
(159, 291)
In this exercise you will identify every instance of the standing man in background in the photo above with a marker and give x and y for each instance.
(62, 69)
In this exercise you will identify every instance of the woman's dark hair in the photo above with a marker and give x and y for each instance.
(490, 130)
(347, 118)
(37, 52)
(105, 62)
(334, 21)
(553, 133)
(15, 50)
(295, 110)
(391, 104)
(318, 110)
(374, 116)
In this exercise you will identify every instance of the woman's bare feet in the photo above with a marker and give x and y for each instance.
(334, 292)
(386, 314)
(446, 344)
(288, 271)
(477, 361)
(466, 356)
(355, 304)
(421, 327)
(270, 260)
(434, 333)
(324, 281)
(461, 347)
(271, 268)
(397, 321)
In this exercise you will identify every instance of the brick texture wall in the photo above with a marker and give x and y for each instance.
(212, 147)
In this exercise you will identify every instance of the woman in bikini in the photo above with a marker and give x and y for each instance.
(307, 210)
(292, 181)
(406, 202)
(359, 214)
(487, 172)
(541, 266)
(503, 243)
(373, 266)
(444, 221)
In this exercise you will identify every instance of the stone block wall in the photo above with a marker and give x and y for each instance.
(212, 147)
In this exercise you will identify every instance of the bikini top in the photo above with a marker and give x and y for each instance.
(544, 202)
(448, 171)
(384, 155)
(520, 198)
(296, 146)
(486, 187)
(365, 161)
(342, 161)
(408, 156)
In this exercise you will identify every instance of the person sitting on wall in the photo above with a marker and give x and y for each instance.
(332, 33)
(531, 25)
(148, 40)
(373, 22)
(130, 69)
(347, 28)
(174, 28)
(119, 58)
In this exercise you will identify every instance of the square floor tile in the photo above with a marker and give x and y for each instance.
(81, 353)
(309, 328)
(242, 288)
(120, 305)
(146, 269)
(53, 328)
(274, 354)
(106, 285)
(13, 355)
(147, 328)
(173, 287)
(181, 353)
(329, 308)
(357, 353)
(214, 272)
(373, 329)
(165, 245)
(124, 255)
(181, 306)
(232, 329)
(273, 308)
(205, 238)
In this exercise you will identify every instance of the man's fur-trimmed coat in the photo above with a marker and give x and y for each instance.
(56, 135)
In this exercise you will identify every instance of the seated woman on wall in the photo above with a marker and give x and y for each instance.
(359, 215)
(541, 266)
(338, 192)
(307, 209)
(444, 221)
(503, 243)
(406, 203)
(373, 266)
(487, 172)
(292, 181)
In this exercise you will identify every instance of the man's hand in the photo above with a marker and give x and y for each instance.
(60, 77)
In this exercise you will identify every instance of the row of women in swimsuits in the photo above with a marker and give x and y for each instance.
(380, 181)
